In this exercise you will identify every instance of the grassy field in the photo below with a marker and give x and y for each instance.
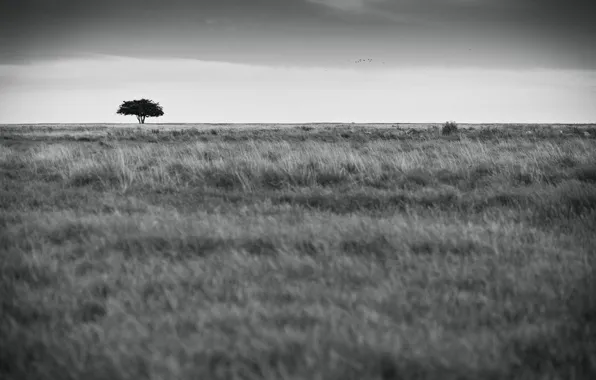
(298, 252)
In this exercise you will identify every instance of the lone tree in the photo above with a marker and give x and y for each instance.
(141, 109)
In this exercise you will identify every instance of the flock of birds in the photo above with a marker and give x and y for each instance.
(366, 60)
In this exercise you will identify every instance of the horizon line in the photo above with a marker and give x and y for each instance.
(304, 123)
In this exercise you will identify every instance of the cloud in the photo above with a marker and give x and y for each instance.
(347, 5)
(372, 9)
(305, 32)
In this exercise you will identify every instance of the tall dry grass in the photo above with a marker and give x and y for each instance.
(298, 253)
(281, 165)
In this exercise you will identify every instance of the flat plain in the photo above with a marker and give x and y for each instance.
(333, 251)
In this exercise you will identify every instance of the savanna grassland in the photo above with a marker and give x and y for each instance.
(313, 252)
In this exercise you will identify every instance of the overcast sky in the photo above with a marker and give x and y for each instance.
(299, 60)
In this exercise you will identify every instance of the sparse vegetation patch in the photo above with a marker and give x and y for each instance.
(449, 128)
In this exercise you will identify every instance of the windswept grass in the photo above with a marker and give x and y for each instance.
(298, 253)
(260, 165)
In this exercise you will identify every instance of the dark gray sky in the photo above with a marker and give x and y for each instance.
(296, 60)
(483, 33)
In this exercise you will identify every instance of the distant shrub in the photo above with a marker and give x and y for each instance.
(449, 128)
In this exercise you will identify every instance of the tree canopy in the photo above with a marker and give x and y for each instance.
(141, 108)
